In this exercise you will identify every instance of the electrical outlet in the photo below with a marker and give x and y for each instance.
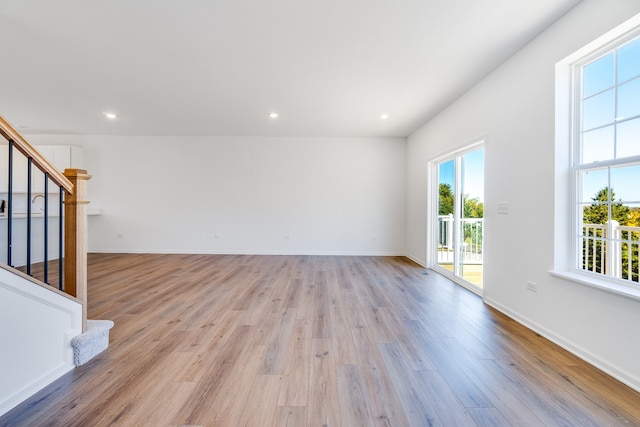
(532, 287)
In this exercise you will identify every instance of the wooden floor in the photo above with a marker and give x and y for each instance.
(313, 341)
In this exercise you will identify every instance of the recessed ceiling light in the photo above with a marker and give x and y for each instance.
(273, 115)
(111, 116)
(384, 116)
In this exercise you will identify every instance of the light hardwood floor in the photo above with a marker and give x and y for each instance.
(231, 340)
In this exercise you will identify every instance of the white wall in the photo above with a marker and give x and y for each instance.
(244, 195)
(38, 326)
(19, 239)
(514, 109)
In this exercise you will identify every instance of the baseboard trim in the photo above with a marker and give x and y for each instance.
(201, 252)
(620, 374)
(416, 260)
(17, 398)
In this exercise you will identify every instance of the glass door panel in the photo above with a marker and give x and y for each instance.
(446, 224)
(460, 216)
(472, 218)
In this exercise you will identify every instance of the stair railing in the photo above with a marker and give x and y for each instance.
(72, 216)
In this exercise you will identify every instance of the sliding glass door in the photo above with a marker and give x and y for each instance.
(459, 216)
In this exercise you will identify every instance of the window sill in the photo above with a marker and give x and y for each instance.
(619, 289)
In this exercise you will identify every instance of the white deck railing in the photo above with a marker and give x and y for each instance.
(623, 247)
(471, 248)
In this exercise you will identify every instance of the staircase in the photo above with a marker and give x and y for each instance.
(43, 308)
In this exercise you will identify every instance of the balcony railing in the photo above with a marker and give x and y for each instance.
(471, 245)
(615, 256)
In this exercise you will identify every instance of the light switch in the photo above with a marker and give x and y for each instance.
(503, 208)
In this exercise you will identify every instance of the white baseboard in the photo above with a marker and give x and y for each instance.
(414, 259)
(243, 252)
(616, 372)
(20, 396)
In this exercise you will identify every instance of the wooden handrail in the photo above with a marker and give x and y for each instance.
(39, 160)
(74, 183)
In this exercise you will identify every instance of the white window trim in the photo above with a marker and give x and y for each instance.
(565, 199)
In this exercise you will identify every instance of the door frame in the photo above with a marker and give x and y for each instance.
(432, 212)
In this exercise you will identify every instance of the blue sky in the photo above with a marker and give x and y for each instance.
(473, 181)
(624, 181)
(611, 122)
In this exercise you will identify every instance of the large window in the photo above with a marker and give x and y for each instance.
(605, 172)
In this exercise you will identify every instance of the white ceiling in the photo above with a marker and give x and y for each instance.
(218, 67)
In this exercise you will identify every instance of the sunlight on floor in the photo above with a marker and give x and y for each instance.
(470, 272)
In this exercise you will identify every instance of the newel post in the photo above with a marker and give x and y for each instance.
(75, 239)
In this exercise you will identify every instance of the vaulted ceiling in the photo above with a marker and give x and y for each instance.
(219, 67)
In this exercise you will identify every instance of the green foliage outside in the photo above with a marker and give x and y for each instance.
(598, 212)
(592, 243)
(473, 207)
(445, 200)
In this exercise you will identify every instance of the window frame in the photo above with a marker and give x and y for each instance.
(569, 98)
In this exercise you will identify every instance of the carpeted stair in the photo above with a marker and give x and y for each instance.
(92, 342)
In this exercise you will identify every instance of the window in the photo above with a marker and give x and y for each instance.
(604, 174)
(606, 162)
